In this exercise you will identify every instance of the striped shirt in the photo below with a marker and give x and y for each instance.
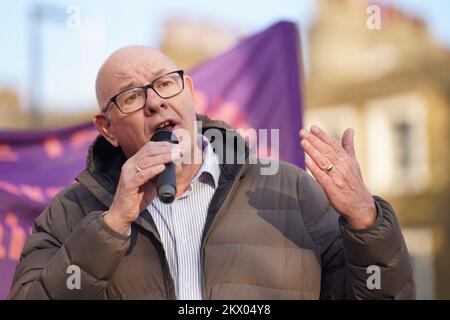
(180, 225)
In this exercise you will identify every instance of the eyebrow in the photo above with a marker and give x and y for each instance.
(132, 84)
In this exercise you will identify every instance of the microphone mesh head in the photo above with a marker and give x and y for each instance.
(164, 135)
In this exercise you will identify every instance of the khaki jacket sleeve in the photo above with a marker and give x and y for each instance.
(43, 270)
(350, 256)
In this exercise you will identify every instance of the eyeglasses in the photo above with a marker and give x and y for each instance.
(134, 99)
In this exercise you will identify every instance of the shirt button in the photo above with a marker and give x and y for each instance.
(183, 241)
(187, 285)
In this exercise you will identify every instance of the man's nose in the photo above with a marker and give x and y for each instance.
(154, 102)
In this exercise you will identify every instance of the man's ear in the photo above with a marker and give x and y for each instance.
(103, 125)
(189, 84)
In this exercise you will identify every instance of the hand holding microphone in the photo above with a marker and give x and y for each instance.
(137, 186)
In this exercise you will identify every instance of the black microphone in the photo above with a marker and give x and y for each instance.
(166, 181)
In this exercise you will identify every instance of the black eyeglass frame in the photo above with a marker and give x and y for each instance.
(145, 89)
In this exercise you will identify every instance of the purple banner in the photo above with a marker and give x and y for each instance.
(34, 167)
(254, 85)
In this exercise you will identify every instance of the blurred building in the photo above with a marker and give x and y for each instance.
(11, 114)
(393, 86)
(190, 42)
(14, 117)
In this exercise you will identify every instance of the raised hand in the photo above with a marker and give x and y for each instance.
(336, 169)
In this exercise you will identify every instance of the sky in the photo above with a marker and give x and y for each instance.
(73, 53)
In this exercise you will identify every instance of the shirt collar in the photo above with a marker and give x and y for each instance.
(210, 164)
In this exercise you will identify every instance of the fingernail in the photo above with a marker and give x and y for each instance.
(315, 129)
(304, 133)
(304, 143)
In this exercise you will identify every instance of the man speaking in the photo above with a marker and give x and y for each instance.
(230, 232)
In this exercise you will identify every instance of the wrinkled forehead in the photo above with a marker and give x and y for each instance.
(137, 71)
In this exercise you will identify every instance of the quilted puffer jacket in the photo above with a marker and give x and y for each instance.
(266, 237)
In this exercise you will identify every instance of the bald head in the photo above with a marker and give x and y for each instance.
(129, 66)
